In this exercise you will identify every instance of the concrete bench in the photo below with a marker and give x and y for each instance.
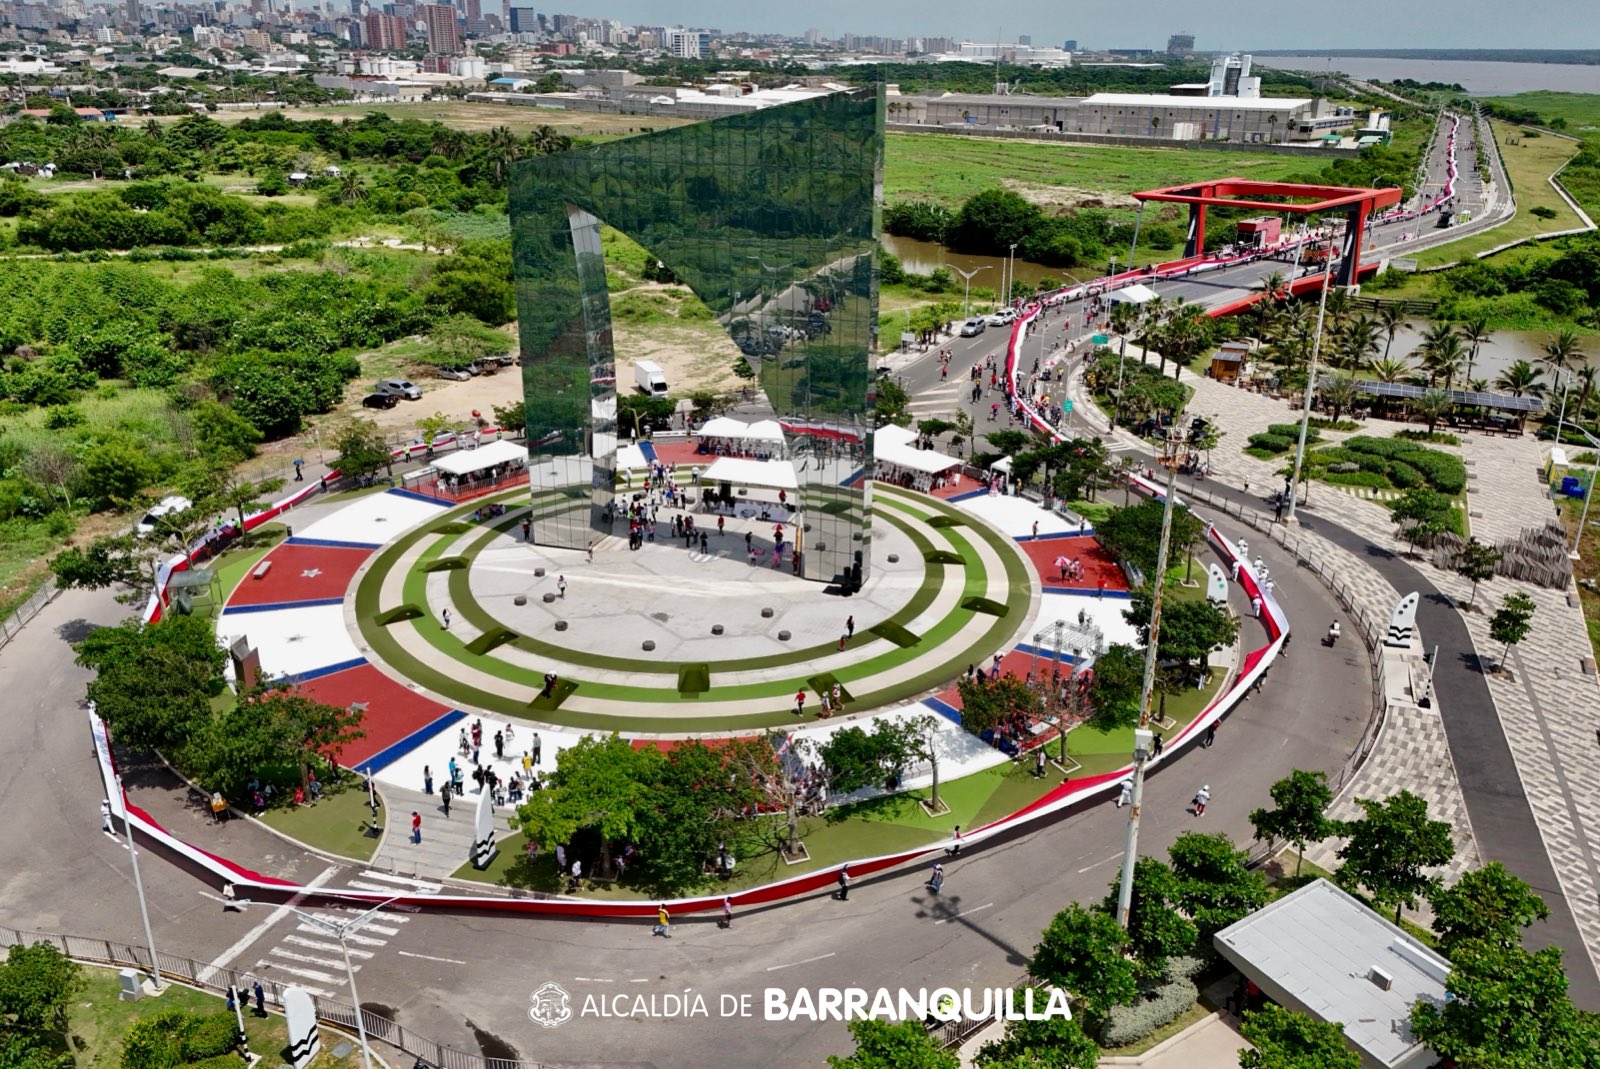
(262, 569)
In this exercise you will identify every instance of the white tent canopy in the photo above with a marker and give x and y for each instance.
(766, 430)
(722, 427)
(772, 474)
(484, 457)
(1134, 294)
(893, 445)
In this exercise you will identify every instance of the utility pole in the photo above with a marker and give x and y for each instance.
(138, 886)
(1142, 736)
(1311, 384)
(966, 300)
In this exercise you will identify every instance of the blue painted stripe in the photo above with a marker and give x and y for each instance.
(860, 473)
(1047, 654)
(414, 496)
(944, 709)
(649, 452)
(967, 495)
(326, 670)
(1086, 591)
(274, 606)
(390, 754)
(331, 543)
(1059, 535)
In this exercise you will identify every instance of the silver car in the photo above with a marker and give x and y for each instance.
(400, 388)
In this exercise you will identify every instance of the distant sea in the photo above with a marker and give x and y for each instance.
(1478, 77)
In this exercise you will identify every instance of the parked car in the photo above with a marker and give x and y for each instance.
(167, 506)
(455, 374)
(508, 359)
(400, 388)
(485, 365)
(380, 400)
(973, 327)
(1004, 317)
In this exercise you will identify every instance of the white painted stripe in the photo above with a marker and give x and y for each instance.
(350, 937)
(430, 957)
(426, 886)
(363, 885)
(243, 944)
(333, 963)
(276, 967)
(806, 961)
(302, 941)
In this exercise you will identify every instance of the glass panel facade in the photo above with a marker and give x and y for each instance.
(772, 219)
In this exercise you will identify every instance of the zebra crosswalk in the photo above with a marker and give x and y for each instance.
(310, 957)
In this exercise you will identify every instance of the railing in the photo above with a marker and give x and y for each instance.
(27, 611)
(330, 1011)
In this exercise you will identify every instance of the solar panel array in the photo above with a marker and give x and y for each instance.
(1410, 391)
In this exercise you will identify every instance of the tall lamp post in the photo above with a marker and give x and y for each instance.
(966, 299)
(1011, 274)
(1311, 383)
(138, 886)
(1142, 736)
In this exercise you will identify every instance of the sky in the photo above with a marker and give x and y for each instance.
(1218, 25)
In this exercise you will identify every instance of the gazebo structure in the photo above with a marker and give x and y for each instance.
(472, 472)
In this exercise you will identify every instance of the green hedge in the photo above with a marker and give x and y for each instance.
(1271, 443)
(942, 556)
(1291, 431)
(1357, 478)
(1403, 464)
(894, 633)
(1155, 1009)
(212, 1036)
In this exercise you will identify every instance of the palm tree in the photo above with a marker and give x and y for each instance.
(451, 144)
(544, 140)
(504, 150)
(1585, 376)
(1275, 285)
(1392, 318)
(1444, 358)
(1475, 332)
(1432, 407)
(1562, 351)
(1151, 315)
(352, 190)
(1338, 304)
(1520, 378)
(1358, 342)
(1339, 393)
(1389, 369)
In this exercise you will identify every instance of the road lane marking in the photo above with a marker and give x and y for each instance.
(429, 957)
(792, 964)
(261, 929)
(1097, 864)
(965, 913)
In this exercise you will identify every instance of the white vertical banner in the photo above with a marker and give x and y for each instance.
(300, 1013)
(483, 848)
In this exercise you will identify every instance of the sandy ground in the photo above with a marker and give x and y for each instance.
(470, 116)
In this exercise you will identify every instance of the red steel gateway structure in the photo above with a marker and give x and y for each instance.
(1357, 205)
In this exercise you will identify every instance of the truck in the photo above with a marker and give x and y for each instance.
(648, 378)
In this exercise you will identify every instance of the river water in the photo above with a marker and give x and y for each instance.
(923, 257)
(1479, 77)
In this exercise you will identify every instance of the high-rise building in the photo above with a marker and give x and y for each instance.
(1230, 77)
(1180, 44)
(1069, 45)
(440, 19)
(471, 10)
(688, 44)
(1024, 39)
(133, 12)
(524, 20)
(384, 33)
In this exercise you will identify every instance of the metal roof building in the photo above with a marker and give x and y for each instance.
(1321, 952)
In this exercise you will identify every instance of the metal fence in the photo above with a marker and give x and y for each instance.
(331, 1012)
(27, 611)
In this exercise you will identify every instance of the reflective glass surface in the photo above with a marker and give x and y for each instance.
(772, 219)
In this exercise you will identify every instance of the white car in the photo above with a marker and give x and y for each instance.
(167, 506)
(1004, 317)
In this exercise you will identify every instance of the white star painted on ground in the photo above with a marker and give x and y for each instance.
(311, 573)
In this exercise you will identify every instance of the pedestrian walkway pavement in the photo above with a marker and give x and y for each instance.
(310, 957)
(446, 841)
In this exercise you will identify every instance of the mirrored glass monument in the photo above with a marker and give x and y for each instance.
(771, 218)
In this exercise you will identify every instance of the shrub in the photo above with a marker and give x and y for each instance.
(1437, 436)
(229, 1060)
(1291, 431)
(1403, 475)
(1156, 1008)
(1335, 424)
(211, 1036)
(1183, 967)
(157, 1041)
(1271, 443)
(1358, 478)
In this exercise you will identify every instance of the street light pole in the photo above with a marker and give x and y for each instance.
(1588, 495)
(1141, 754)
(1311, 383)
(1011, 274)
(966, 300)
(138, 886)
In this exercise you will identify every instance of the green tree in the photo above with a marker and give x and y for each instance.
(1432, 407)
(694, 801)
(1508, 1009)
(38, 985)
(1488, 904)
(1512, 621)
(153, 684)
(111, 560)
(115, 471)
(893, 404)
(1421, 514)
(597, 786)
(1215, 886)
(1477, 562)
(991, 221)
(1009, 443)
(1082, 953)
(362, 451)
(986, 703)
(274, 736)
(222, 436)
(1055, 1043)
(1117, 685)
(1284, 1039)
(902, 1045)
(245, 495)
(1301, 799)
(1156, 930)
(1388, 849)
(1339, 393)
(1133, 534)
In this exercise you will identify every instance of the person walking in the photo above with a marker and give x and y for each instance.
(838, 698)
(1126, 794)
(261, 998)
(1038, 763)
(299, 478)
(444, 615)
(561, 586)
(536, 748)
(727, 912)
(499, 746)
(591, 552)
(427, 779)
(416, 828)
(444, 799)
(527, 530)
(850, 627)
(955, 847)
(721, 522)
(105, 818)
(1211, 735)
(663, 922)
(936, 878)
(844, 883)
(1158, 745)
(1202, 796)
(800, 702)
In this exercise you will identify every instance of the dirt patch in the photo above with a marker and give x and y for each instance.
(1068, 197)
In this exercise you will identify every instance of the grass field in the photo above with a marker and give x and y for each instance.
(1580, 110)
(1530, 161)
(333, 824)
(472, 117)
(948, 169)
(99, 1020)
